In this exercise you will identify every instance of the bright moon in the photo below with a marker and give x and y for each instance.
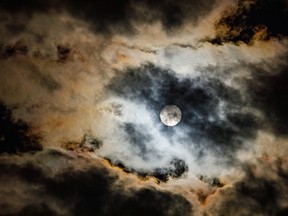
(170, 115)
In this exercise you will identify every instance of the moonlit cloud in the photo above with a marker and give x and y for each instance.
(82, 87)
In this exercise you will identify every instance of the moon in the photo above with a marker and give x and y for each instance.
(170, 115)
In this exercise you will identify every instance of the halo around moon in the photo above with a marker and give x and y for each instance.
(170, 115)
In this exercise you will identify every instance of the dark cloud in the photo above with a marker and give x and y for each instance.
(211, 181)
(15, 15)
(63, 53)
(89, 143)
(174, 169)
(35, 210)
(269, 93)
(91, 191)
(97, 196)
(221, 131)
(283, 212)
(172, 14)
(29, 6)
(13, 50)
(14, 135)
(89, 140)
(112, 14)
(159, 204)
(118, 14)
(249, 18)
(139, 140)
(102, 15)
(258, 194)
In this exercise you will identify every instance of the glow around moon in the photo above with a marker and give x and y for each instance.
(170, 115)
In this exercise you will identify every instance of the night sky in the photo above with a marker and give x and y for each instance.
(82, 84)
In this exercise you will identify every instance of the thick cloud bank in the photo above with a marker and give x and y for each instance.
(82, 86)
(89, 189)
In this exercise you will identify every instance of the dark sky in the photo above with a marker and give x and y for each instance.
(82, 84)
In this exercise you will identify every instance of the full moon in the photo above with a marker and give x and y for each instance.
(170, 115)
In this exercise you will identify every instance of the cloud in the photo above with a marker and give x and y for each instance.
(14, 137)
(210, 110)
(252, 20)
(261, 192)
(90, 189)
(111, 15)
(82, 85)
(269, 92)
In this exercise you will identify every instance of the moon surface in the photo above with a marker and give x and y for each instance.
(170, 115)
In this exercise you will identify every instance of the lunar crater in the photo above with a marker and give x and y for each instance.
(170, 115)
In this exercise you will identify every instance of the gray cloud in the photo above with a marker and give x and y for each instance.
(261, 193)
(86, 191)
(269, 93)
(105, 16)
(211, 115)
